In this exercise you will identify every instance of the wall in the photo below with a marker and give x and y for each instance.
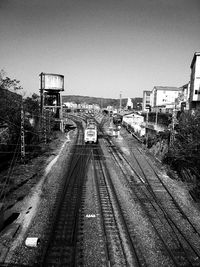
(195, 82)
(165, 97)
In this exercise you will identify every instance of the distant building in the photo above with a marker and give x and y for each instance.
(129, 104)
(109, 108)
(70, 105)
(194, 98)
(163, 98)
(146, 100)
(96, 107)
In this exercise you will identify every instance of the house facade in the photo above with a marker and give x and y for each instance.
(146, 100)
(163, 98)
(182, 102)
(194, 98)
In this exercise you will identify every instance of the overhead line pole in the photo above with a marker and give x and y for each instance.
(22, 134)
(120, 102)
(45, 125)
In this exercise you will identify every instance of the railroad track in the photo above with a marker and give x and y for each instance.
(121, 246)
(120, 249)
(64, 243)
(178, 235)
(61, 248)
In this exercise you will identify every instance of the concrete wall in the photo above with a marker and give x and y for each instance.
(165, 97)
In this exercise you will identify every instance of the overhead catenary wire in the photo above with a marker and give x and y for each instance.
(15, 152)
(11, 167)
(46, 118)
(19, 127)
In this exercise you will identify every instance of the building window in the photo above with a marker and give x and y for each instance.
(196, 92)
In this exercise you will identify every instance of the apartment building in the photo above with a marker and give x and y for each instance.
(146, 100)
(163, 98)
(194, 98)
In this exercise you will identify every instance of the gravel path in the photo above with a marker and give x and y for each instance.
(36, 207)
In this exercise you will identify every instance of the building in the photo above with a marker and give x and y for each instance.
(70, 105)
(146, 100)
(194, 98)
(182, 102)
(163, 98)
(136, 122)
(129, 104)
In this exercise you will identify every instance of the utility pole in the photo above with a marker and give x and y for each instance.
(147, 120)
(147, 117)
(120, 102)
(41, 104)
(156, 122)
(172, 130)
(22, 134)
(49, 122)
(45, 126)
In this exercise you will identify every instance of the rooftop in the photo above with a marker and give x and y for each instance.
(167, 88)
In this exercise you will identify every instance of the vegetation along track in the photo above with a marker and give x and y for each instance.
(62, 245)
(178, 235)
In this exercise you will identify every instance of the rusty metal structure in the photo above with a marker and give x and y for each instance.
(51, 86)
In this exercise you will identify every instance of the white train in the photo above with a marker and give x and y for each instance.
(90, 134)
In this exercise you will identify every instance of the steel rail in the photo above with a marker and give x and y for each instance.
(61, 246)
(131, 255)
(174, 201)
(137, 255)
(103, 226)
(166, 215)
(142, 204)
(160, 180)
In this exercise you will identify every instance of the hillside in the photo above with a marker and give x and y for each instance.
(102, 102)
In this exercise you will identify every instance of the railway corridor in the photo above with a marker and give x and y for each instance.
(114, 207)
(137, 220)
(123, 213)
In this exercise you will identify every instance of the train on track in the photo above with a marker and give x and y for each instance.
(117, 119)
(91, 132)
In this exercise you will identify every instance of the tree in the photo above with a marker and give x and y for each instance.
(32, 112)
(185, 150)
(31, 105)
(8, 83)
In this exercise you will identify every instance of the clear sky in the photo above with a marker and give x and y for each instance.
(102, 47)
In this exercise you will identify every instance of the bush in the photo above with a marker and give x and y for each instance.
(184, 151)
